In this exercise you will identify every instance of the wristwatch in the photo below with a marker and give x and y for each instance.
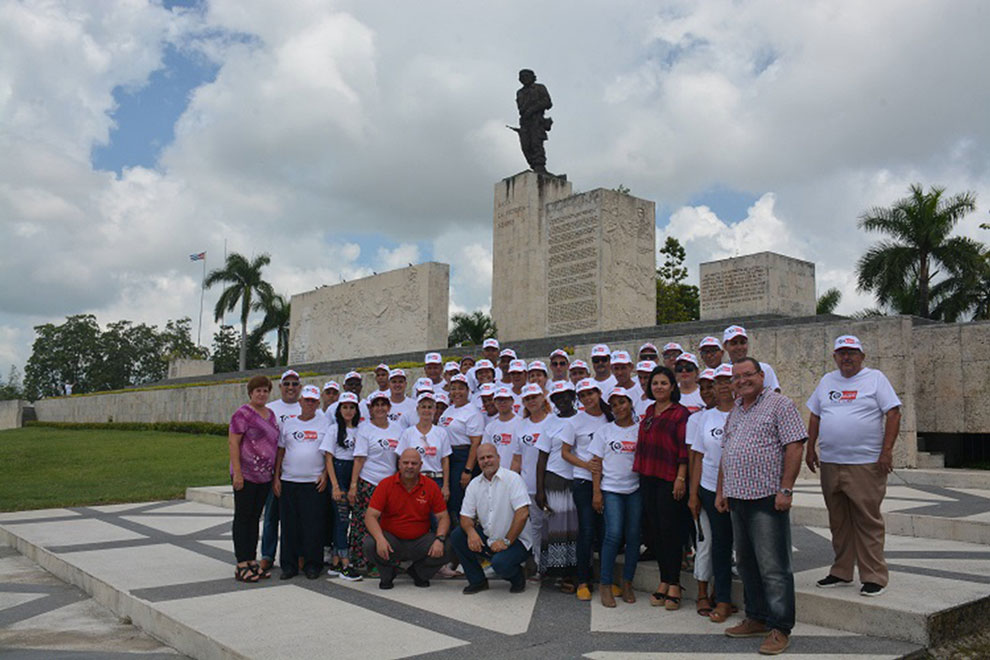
(440, 537)
(786, 491)
(467, 471)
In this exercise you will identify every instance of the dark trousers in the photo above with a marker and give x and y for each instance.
(249, 502)
(666, 522)
(269, 531)
(590, 529)
(721, 528)
(507, 564)
(414, 550)
(763, 555)
(458, 461)
(340, 512)
(303, 512)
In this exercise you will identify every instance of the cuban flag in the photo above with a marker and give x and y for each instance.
(197, 257)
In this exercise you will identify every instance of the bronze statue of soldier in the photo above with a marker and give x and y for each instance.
(533, 100)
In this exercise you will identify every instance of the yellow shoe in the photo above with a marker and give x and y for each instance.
(616, 590)
(583, 592)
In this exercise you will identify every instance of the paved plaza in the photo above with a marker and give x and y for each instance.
(168, 566)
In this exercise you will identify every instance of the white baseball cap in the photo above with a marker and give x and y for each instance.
(347, 397)
(507, 352)
(451, 366)
(672, 346)
(560, 386)
(459, 378)
(538, 365)
(423, 396)
(310, 392)
(490, 343)
(621, 357)
(287, 373)
(710, 341)
(601, 350)
(379, 394)
(484, 364)
(350, 375)
(578, 364)
(733, 331)
(396, 373)
(848, 341)
(707, 374)
(382, 366)
(433, 358)
(619, 391)
(531, 390)
(517, 365)
(588, 384)
(331, 385)
(423, 384)
(442, 397)
(648, 346)
(503, 393)
(687, 357)
(723, 371)
(560, 352)
(486, 389)
(646, 366)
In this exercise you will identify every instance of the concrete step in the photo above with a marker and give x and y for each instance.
(221, 496)
(907, 524)
(931, 460)
(942, 477)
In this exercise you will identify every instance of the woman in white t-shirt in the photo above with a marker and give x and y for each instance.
(554, 482)
(432, 443)
(717, 526)
(686, 370)
(465, 424)
(617, 496)
(586, 423)
(299, 483)
(374, 460)
(536, 422)
(501, 431)
(339, 450)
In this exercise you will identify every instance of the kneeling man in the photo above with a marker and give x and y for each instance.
(398, 522)
(498, 498)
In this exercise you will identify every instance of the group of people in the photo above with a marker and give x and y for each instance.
(523, 471)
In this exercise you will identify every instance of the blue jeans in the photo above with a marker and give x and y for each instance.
(763, 556)
(507, 564)
(622, 518)
(342, 510)
(721, 528)
(458, 461)
(589, 529)
(269, 532)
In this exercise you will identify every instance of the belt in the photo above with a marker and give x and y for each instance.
(433, 475)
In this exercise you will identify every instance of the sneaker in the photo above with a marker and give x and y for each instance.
(830, 581)
(475, 588)
(517, 587)
(871, 589)
(748, 628)
(775, 643)
(334, 570)
(350, 574)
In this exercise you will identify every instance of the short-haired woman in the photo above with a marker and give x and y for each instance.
(253, 443)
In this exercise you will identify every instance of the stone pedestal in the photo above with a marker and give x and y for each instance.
(761, 283)
(568, 263)
(182, 368)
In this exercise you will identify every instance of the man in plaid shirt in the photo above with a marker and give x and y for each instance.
(761, 455)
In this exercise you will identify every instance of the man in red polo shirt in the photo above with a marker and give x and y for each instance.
(398, 522)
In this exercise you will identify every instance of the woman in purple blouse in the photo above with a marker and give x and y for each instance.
(253, 440)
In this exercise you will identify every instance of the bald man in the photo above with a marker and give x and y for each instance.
(398, 522)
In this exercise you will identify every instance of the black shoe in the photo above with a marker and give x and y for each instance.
(830, 581)
(313, 573)
(476, 588)
(871, 589)
(386, 584)
(288, 575)
(418, 581)
(518, 587)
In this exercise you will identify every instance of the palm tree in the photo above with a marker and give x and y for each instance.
(277, 312)
(965, 292)
(921, 247)
(471, 329)
(828, 301)
(245, 282)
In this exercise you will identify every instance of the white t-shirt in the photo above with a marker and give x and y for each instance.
(495, 503)
(693, 401)
(462, 423)
(640, 405)
(616, 446)
(404, 414)
(503, 436)
(852, 415)
(432, 448)
(528, 434)
(708, 433)
(769, 377)
(606, 386)
(585, 428)
(331, 447)
(561, 430)
(363, 414)
(378, 446)
(283, 410)
(303, 461)
(634, 392)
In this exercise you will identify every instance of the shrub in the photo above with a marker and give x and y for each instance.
(202, 428)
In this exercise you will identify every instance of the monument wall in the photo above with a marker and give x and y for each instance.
(401, 310)
(183, 368)
(761, 283)
(951, 367)
(11, 414)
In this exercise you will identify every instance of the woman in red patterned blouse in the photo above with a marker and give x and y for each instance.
(662, 462)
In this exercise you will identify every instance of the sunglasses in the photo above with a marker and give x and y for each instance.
(599, 360)
(290, 383)
(682, 368)
(558, 364)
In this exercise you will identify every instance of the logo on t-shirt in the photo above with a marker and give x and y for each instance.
(717, 432)
(445, 421)
(387, 443)
(427, 451)
(504, 439)
(530, 439)
(844, 395)
(622, 446)
(306, 435)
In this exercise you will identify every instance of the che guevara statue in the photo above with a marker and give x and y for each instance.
(533, 100)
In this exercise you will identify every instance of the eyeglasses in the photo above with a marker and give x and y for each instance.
(290, 383)
(558, 364)
(599, 360)
(708, 350)
(737, 377)
(681, 368)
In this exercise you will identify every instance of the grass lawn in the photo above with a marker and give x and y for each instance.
(42, 468)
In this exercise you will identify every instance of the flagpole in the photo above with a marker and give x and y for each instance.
(202, 291)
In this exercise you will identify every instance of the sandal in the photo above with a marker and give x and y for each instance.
(658, 598)
(263, 573)
(721, 613)
(704, 606)
(672, 603)
(566, 586)
(247, 573)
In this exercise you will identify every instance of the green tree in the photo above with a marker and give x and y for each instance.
(920, 248)
(226, 351)
(12, 388)
(965, 293)
(828, 301)
(61, 354)
(676, 301)
(244, 283)
(471, 329)
(277, 311)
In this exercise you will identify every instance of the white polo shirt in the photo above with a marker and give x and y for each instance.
(494, 503)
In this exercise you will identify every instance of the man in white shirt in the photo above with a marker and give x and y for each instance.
(502, 370)
(403, 408)
(601, 363)
(711, 352)
(560, 361)
(736, 342)
(499, 500)
(433, 369)
(381, 377)
(489, 351)
(578, 371)
(855, 418)
(622, 370)
(286, 407)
